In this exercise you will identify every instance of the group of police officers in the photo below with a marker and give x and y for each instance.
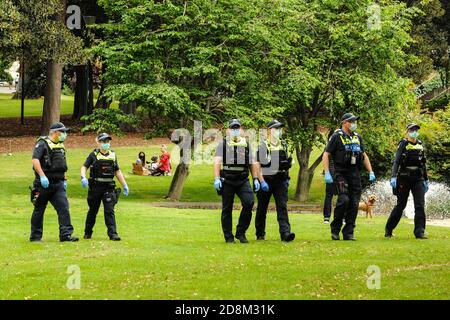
(50, 184)
(343, 159)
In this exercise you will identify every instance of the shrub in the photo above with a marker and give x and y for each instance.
(109, 120)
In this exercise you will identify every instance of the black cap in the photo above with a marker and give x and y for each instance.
(234, 123)
(411, 126)
(349, 117)
(59, 126)
(103, 136)
(275, 124)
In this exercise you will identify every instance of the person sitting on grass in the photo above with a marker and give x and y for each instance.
(153, 164)
(163, 167)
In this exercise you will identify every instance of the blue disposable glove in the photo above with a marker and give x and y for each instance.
(44, 182)
(217, 184)
(426, 185)
(126, 191)
(288, 182)
(84, 182)
(372, 177)
(394, 182)
(256, 185)
(328, 177)
(264, 186)
(65, 184)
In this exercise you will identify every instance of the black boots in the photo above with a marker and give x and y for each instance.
(68, 239)
(287, 237)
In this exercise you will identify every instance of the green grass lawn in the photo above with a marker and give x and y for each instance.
(10, 108)
(181, 254)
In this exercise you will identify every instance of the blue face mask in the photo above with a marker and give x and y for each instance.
(105, 146)
(353, 127)
(413, 134)
(63, 136)
(235, 133)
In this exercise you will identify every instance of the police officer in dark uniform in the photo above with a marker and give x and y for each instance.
(235, 154)
(409, 173)
(275, 162)
(347, 151)
(50, 184)
(103, 166)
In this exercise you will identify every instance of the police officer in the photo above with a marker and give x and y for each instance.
(409, 173)
(273, 158)
(103, 166)
(50, 184)
(347, 152)
(235, 154)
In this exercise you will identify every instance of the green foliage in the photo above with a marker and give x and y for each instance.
(108, 120)
(435, 133)
(5, 76)
(439, 102)
(31, 28)
(435, 82)
(429, 39)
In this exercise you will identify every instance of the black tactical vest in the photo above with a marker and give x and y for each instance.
(54, 163)
(278, 153)
(235, 159)
(413, 155)
(102, 169)
(350, 148)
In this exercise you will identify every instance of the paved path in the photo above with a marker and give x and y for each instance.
(297, 208)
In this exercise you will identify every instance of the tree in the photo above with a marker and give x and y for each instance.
(304, 62)
(173, 59)
(314, 61)
(427, 38)
(35, 31)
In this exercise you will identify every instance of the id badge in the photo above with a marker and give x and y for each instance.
(353, 161)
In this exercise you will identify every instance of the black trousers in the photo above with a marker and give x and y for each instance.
(404, 186)
(279, 190)
(244, 191)
(328, 201)
(347, 201)
(57, 196)
(97, 194)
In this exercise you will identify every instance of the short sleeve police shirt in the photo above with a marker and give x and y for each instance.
(39, 150)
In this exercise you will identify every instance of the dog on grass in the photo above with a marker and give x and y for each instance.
(367, 206)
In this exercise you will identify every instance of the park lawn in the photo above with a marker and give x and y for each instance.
(10, 108)
(181, 254)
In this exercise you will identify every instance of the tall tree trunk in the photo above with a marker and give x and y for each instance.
(52, 100)
(81, 92)
(90, 106)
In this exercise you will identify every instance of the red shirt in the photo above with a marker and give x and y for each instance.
(164, 161)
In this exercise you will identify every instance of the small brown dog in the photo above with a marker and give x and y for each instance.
(368, 205)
